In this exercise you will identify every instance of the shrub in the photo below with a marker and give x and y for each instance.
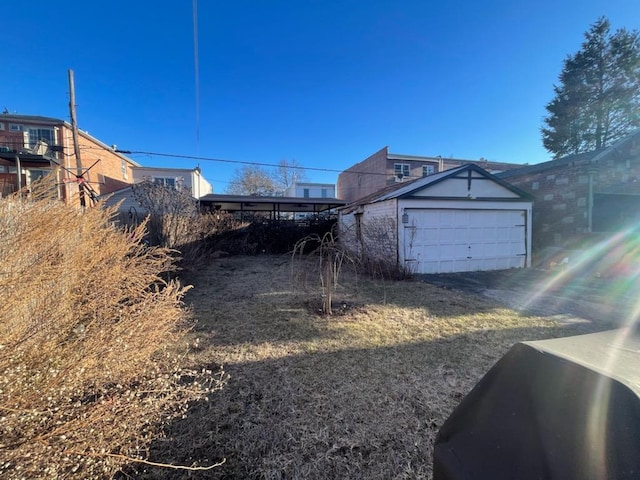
(87, 369)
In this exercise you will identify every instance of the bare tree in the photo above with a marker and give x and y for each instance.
(287, 174)
(252, 180)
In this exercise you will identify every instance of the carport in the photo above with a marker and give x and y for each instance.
(273, 206)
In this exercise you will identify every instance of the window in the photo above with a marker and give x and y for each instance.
(123, 169)
(305, 193)
(45, 134)
(402, 170)
(33, 174)
(324, 193)
(165, 181)
(1, 126)
(428, 170)
(14, 127)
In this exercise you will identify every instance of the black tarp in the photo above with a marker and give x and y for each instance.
(566, 408)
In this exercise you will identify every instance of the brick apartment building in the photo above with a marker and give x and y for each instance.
(33, 146)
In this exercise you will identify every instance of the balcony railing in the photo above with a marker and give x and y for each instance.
(40, 148)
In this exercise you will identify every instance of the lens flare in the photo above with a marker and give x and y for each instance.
(613, 266)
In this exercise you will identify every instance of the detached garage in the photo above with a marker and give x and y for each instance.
(459, 220)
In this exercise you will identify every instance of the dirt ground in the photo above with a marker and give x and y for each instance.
(359, 395)
(571, 298)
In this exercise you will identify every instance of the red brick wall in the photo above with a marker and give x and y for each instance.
(108, 171)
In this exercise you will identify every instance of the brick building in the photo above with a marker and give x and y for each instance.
(384, 168)
(32, 146)
(583, 196)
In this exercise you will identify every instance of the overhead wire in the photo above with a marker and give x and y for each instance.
(241, 162)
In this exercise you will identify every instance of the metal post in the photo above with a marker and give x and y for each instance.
(19, 172)
(591, 171)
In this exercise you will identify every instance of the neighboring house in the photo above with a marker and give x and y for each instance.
(383, 168)
(185, 180)
(579, 196)
(311, 190)
(32, 146)
(461, 219)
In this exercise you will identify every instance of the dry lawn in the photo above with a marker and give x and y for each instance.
(361, 394)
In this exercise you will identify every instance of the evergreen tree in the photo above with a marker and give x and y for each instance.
(598, 99)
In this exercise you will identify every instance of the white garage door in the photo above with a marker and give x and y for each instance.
(440, 240)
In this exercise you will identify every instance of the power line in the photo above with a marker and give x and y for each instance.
(241, 162)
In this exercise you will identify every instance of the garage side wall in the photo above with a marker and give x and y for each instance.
(371, 234)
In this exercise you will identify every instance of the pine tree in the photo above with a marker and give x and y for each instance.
(598, 99)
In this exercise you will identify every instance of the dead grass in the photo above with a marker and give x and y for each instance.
(360, 395)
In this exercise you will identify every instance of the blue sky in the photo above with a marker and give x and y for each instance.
(325, 83)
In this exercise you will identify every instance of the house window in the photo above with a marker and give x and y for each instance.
(402, 170)
(1, 126)
(14, 127)
(428, 170)
(535, 185)
(33, 175)
(45, 134)
(305, 193)
(358, 218)
(123, 169)
(165, 181)
(324, 193)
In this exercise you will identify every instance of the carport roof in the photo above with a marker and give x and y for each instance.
(247, 203)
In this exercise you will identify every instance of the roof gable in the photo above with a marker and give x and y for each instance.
(467, 181)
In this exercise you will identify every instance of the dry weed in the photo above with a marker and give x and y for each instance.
(87, 372)
(359, 395)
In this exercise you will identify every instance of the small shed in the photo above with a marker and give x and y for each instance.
(463, 219)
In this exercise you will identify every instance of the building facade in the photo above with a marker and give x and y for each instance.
(33, 146)
(182, 179)
(311, 190)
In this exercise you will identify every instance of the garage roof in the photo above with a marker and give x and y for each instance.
(407, 189)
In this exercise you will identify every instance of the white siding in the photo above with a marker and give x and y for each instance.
(201, 186)
(315, 190)
(189, 180)
(459, 187)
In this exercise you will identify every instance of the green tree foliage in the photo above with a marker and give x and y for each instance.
(598, 98)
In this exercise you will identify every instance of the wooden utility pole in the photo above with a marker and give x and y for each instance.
(76, 145)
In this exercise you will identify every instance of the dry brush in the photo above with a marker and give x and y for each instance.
(88, 368)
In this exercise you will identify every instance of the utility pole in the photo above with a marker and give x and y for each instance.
(76, 145)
